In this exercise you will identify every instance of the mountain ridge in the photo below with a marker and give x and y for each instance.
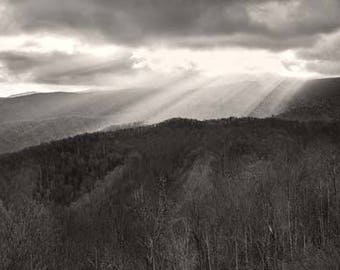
(287, 99)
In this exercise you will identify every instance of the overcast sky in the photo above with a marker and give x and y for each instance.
(105, 44)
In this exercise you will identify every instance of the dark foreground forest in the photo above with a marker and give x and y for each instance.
(184, 194)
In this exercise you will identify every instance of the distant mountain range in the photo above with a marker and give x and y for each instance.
(22, 94)
(18, 135)
(34, 118)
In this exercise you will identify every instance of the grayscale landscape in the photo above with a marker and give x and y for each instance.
(169, 135)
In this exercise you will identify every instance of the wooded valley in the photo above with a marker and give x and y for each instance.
(183, 194)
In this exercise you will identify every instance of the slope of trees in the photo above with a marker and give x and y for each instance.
(183, 194)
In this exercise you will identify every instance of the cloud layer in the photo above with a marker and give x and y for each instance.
(61, 68)
(65, 41)
(186, 22)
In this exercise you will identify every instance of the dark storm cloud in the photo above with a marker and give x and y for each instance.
(23, 62)
(60, 68)
(327, 49)
(197, 23)
(324, 56)
(252, 41)
(87, 73)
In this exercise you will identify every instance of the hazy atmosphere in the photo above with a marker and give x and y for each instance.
(71, 45)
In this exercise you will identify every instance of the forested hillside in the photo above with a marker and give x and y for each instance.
(316, 100)
(16, 136)
(183, 194)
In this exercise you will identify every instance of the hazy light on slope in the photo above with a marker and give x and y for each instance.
(204, 97)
